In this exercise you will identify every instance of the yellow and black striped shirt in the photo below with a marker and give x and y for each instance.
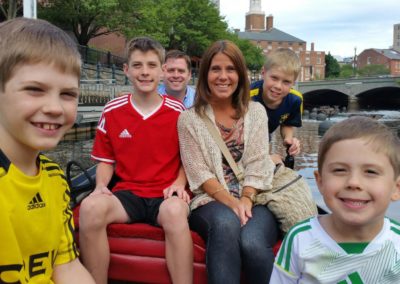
(36, 222)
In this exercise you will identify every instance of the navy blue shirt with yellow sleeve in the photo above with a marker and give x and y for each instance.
(289, 111)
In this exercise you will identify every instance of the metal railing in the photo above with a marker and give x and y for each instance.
(105, 58)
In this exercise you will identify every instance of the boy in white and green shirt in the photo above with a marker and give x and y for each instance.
(358, 176)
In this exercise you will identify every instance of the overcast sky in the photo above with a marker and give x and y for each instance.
(335, 26)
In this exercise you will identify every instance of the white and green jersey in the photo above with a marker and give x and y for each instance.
(309, 255)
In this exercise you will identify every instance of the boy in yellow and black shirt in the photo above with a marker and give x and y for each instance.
(282, 103)
(39, 87)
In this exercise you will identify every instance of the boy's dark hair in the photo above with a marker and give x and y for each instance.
(31, 41)
(379, 135)
(177, 54)
(144, 44)
(241, 97)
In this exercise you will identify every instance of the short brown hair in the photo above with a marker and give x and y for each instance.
(284, 59)
(379, 135)
(33, 41)
(144, 44)
(177, 54)
(241, 97)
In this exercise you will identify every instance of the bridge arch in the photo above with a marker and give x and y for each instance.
(325, 97)
(380, 98)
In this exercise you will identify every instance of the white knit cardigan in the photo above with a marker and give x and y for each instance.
(202, 159)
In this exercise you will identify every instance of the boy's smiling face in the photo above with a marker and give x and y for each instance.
(276, 87)
(357, 184)
(144, 71)
(38, 105)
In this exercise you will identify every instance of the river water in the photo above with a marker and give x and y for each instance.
(305, 163)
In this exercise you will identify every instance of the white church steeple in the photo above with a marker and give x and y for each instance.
(255, 17)
(255, 6)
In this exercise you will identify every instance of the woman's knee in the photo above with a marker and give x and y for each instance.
(219, 219)
(261, 232)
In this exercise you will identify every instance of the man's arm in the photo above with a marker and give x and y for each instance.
(72, 272)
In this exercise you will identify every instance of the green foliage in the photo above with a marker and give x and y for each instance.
(332, 67)
(254, 55)
(10, 9)
(188, 25)
(373, 69)
(346, 71)
(89, 18)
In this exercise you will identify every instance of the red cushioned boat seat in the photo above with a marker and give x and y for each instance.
(137, 253)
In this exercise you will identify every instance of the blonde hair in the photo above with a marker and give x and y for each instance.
(34, 41)
(240, 98)
(380, 136)
(284, 59)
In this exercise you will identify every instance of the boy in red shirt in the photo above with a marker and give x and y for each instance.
(137, 139)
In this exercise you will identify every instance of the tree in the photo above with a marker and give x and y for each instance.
(90, 18)
(346, 71)
(332, 67)
(253, 55)
(188, 25)
(373, 70)
(10, 9)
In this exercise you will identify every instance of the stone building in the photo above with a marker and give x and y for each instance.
(260, 30)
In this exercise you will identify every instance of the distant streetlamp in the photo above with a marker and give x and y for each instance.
(355, 62)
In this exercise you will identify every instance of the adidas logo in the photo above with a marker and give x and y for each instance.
(125, 134)
(36, 202)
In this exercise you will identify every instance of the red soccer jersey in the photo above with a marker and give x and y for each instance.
(144, 148)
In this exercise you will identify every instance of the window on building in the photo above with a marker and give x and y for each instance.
(368, 60)
(319, 60)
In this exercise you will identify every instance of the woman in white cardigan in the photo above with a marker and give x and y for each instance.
(239, 235)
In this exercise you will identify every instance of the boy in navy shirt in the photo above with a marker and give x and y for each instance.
(283, 104)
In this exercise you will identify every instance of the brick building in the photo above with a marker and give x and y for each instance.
(260, 31)
(113, 42)
(388, 57)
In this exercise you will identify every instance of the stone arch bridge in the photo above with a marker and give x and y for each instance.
(360, 93)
